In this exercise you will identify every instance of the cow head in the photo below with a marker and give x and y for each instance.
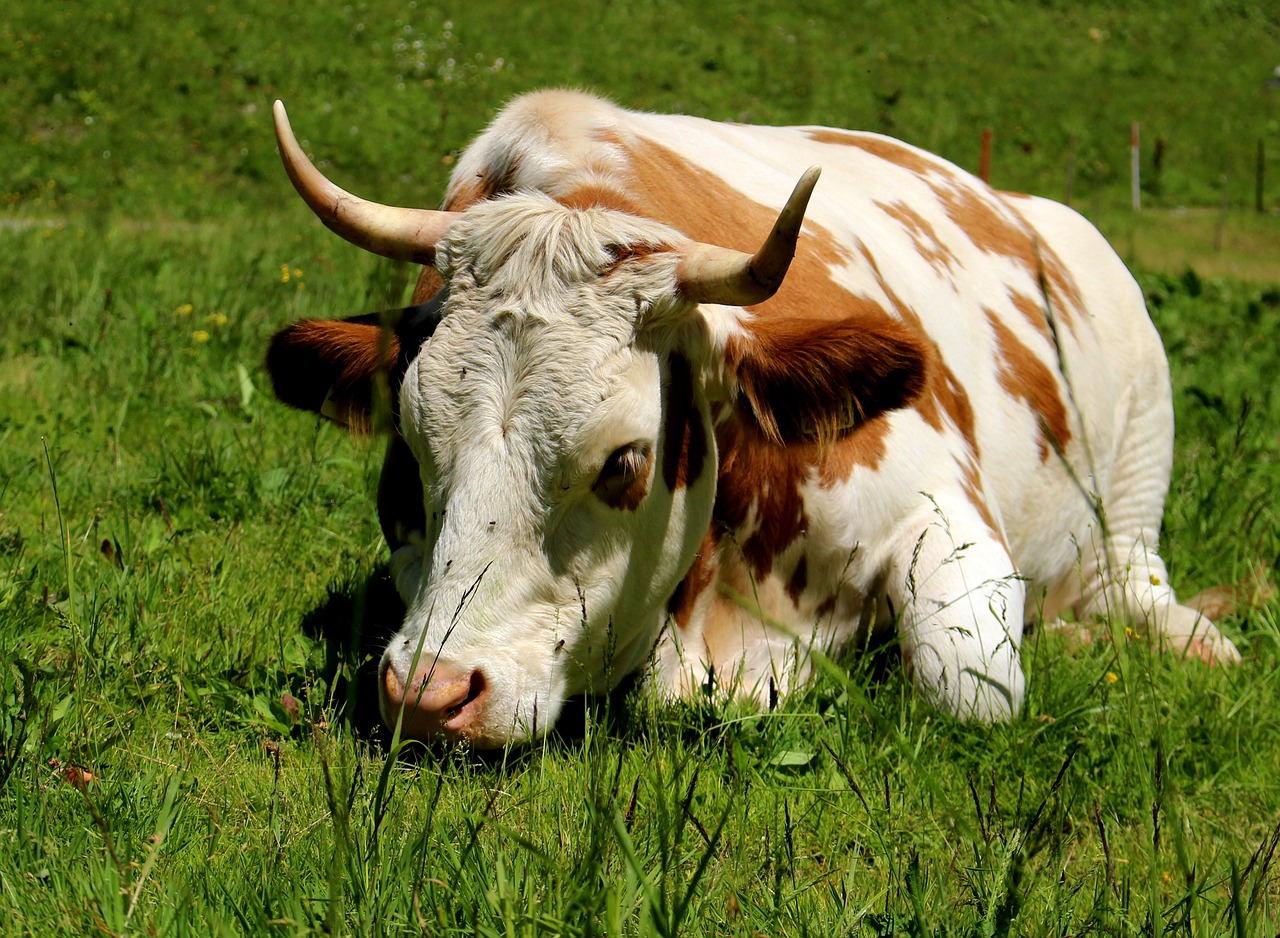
(554, 469)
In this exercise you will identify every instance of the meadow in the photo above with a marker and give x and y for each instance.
(191, 576)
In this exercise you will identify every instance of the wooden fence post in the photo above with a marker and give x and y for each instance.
(984, 160)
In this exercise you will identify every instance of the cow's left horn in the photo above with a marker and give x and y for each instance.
(405, 234)
(712, 274)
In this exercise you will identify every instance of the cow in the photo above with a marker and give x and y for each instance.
(652, 413)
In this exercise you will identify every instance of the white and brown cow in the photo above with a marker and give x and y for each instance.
(621, 444)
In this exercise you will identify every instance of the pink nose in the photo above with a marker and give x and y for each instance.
(440, 701)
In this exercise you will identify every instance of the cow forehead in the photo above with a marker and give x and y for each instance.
(551, 395)
(542, 332)
(537, 254)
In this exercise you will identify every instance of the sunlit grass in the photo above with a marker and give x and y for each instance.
(1241, 244)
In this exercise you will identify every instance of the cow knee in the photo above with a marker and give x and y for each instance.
(953, 673)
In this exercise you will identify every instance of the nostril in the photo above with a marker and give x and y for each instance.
(440, 700)
(476, 686)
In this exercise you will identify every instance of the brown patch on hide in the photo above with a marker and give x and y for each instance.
(972, 484)
(922, 234)
(995, 227)
(684, 437)
(1062, 288)
(977, 211)
(463, 195)
(701, 576)
(666, 187)
(1026, 377)
(807, 379)
(949, 397)
(865, 446)
(1033, 311)
(799, 581)
(888, 150)
(329, 366)
(597, 195)
(943, 394)
(979, 216)
(822, 358)
(760, 482)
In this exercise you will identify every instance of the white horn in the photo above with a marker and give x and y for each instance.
(406, 234)
(712, 274)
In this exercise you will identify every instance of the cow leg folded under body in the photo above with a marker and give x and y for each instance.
(959, 606)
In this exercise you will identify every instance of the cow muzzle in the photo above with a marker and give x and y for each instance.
(439, 702)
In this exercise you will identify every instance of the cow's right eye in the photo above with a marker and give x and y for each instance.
(624, 478)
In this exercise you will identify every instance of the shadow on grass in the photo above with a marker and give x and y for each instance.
(355, 622)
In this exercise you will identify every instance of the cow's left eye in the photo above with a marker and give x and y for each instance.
(624, 479)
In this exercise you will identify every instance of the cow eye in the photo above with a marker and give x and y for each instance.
(624, 479)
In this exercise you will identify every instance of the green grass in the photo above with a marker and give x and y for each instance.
(162, 108)
(178, 552)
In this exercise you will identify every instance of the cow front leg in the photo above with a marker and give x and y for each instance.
(959, 604)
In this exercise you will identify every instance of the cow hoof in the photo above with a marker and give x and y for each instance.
(1212, 650)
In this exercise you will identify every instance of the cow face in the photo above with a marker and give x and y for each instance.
(558, 420)
(555, 401)
(562, 443)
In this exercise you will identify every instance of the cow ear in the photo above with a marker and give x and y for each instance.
(334, 368)
(816, 379)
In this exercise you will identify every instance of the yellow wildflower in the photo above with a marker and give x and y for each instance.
(218, 319)
(200, 335)
(1112, 677)
(184, 310)
(297, 273)
(284, 273)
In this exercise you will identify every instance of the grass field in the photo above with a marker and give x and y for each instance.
(186, 741)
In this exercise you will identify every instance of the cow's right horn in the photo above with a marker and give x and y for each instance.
(405, 234)
(709, 273)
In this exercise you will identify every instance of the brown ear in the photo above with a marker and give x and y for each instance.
(813, 379)
(340, 367)
(331, 367)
